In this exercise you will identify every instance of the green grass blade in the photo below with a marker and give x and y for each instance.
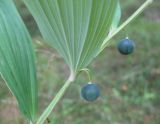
(75, 28)
(17, 65)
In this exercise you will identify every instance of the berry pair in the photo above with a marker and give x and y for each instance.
(91, 91)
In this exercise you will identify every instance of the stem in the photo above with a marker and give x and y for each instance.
(53, 103)
(135, 14)
(87, 71)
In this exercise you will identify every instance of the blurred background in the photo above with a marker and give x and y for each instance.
(130, 85)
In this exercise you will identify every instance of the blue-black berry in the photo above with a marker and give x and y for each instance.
(90, 92)
(126, 46)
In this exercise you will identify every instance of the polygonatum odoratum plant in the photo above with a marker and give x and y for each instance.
(78, 29)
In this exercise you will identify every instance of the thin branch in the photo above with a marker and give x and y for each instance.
(122, 26)
(53, 103)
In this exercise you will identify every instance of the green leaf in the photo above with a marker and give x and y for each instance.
(115, 22)
(17, 66)
(116, 18)
(75, 28)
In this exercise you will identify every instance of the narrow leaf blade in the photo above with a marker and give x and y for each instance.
(17, 65)
(75, 28)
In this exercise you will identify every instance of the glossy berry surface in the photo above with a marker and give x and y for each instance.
(126, 46)
(90, 92)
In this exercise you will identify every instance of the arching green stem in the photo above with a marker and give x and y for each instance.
(131, 18)
(53, 103)
(88, 72)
